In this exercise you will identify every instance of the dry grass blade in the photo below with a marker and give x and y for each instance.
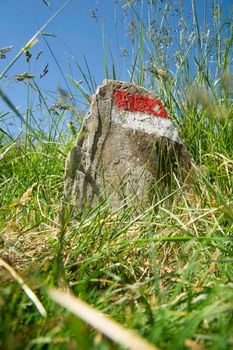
(175, 217)
(193, 345)
(26, 196)
(100, 322)
(31, 295)
(203, 215)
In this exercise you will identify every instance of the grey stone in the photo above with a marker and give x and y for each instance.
(124, 148)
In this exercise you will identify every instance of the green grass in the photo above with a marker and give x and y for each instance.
(167, 272)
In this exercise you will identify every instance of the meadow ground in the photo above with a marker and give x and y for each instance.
(165, 272)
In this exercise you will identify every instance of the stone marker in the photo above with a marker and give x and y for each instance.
(127, 144)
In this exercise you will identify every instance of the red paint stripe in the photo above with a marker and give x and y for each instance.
(135, 102)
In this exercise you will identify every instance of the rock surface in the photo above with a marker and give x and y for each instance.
(126, 146)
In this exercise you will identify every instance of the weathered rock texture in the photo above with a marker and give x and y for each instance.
(126, 146)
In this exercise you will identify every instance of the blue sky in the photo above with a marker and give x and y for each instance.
(77, 34)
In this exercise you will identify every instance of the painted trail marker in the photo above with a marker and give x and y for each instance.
(127, 144)
(144, 113)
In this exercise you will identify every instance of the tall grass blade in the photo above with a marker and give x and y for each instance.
(93, 86)
(84, 76)
(14, 109)
(61, 71)
(195, 20)
(104, 55)
(134, 66)
(25, 287)
(82, 90)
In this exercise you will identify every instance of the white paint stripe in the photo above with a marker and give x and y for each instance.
(145, 122)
